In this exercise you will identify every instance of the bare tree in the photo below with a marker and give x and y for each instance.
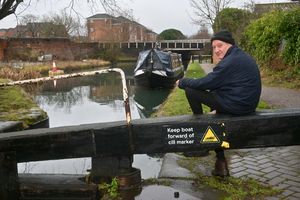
(29, 26)
(26, 19)
(250, 5)
(35, 26)
(72, 24)
(8, 7)
(206, 10)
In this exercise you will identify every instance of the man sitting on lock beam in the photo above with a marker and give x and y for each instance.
(233, 87)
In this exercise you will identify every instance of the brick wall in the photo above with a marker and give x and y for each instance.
(28, 49)
(3, 45)
(31, 48)
(100, 30)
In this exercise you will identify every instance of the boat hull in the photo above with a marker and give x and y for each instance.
(153, 80)
(156, 68)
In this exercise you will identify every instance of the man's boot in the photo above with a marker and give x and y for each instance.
(221, 168)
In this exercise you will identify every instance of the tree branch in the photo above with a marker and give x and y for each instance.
(207, 10)
(8, 7)
(112, 7)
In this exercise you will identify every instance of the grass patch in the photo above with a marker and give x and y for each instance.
(14, 99)
(262, 105)
(235, 188)
(110, 191)
(284, 78)
(155, 181)
(16, 105)
(176, 103)
(238, 188)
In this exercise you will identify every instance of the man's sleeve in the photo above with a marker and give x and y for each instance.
(211, 81)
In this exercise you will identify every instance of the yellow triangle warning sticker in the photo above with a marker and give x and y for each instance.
(209, 136)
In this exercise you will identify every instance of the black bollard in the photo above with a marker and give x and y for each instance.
(104, 168)
(9, 186)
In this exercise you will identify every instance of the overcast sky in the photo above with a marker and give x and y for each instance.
(156, 15)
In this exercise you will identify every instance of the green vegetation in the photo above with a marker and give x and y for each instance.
(155, 181)
(274, 41)
(280, 78)
(176, 103)
(290, 28)
(234, 20)
(171, 34)
(16, 105)
(262, 38)
(234, 187)
(111, 54)
(109, 189)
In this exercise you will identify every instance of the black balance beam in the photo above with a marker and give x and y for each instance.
(269, 128)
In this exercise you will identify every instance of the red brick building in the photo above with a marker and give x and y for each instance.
(106, 28)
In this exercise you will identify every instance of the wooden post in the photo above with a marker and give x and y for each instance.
(104, 168)
(9, 187)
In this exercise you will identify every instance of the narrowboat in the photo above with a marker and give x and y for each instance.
(156, 68)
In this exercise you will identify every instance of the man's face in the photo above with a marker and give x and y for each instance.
(220, 48)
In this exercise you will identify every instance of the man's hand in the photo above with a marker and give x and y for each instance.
(177, 83)
(216, 60)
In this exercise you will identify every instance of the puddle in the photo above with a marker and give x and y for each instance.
(158, 192)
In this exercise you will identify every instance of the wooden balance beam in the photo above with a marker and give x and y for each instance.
(156, 135)
(269, 128)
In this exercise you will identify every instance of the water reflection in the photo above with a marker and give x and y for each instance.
(148, 100)
(91, 99)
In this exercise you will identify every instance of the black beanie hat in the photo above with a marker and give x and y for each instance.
(224, 36)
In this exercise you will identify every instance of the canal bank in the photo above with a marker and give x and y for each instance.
(18, 111)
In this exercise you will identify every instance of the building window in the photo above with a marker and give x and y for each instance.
(92, 30)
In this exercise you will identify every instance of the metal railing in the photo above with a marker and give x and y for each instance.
(64, 76)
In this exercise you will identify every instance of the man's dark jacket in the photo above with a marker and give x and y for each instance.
(235, 81)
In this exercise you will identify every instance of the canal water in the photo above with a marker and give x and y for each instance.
(93, 99)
